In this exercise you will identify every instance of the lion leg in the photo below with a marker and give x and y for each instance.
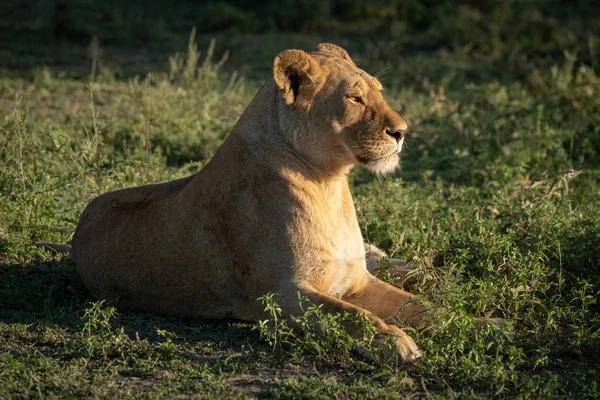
(397, 348)
(389, 302)
(373, 255)
(371, 251)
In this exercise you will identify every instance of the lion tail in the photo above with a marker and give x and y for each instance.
(54, 247)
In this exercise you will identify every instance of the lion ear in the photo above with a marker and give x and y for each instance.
(329, 48)
(298, 77)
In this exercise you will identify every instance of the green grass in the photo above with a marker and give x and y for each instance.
(497, 206)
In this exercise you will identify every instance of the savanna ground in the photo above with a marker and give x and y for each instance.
(496, 206)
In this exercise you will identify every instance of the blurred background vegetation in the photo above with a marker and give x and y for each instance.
(499, 30)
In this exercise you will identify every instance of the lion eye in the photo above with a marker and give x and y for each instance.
(356, 99)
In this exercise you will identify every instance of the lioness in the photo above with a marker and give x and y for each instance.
(270, 213)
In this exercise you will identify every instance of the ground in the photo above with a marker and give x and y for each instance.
(496, 205)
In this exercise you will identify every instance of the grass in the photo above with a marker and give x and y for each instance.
(497, 207)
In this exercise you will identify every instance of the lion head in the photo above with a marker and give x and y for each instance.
(333, 112)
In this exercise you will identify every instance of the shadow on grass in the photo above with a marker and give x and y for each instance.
(51, 294)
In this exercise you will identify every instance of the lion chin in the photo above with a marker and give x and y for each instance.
(384, 165)
(271, 212)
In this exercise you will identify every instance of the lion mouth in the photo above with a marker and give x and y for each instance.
(365, 160)
(380, 165)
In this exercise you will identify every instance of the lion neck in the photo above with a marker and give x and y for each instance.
(262, 156)
(271, 135)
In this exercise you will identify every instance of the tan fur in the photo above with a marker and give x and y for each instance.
(270, 213)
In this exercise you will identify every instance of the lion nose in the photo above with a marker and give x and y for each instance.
(397, 133)
(396, 127)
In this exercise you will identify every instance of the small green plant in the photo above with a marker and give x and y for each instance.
(166, 347)
(484, 357)
(274, 329)
(314, 332)
(97, 337)
(584, 328)
(186, 71)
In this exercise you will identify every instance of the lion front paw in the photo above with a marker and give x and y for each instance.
(395, 348)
